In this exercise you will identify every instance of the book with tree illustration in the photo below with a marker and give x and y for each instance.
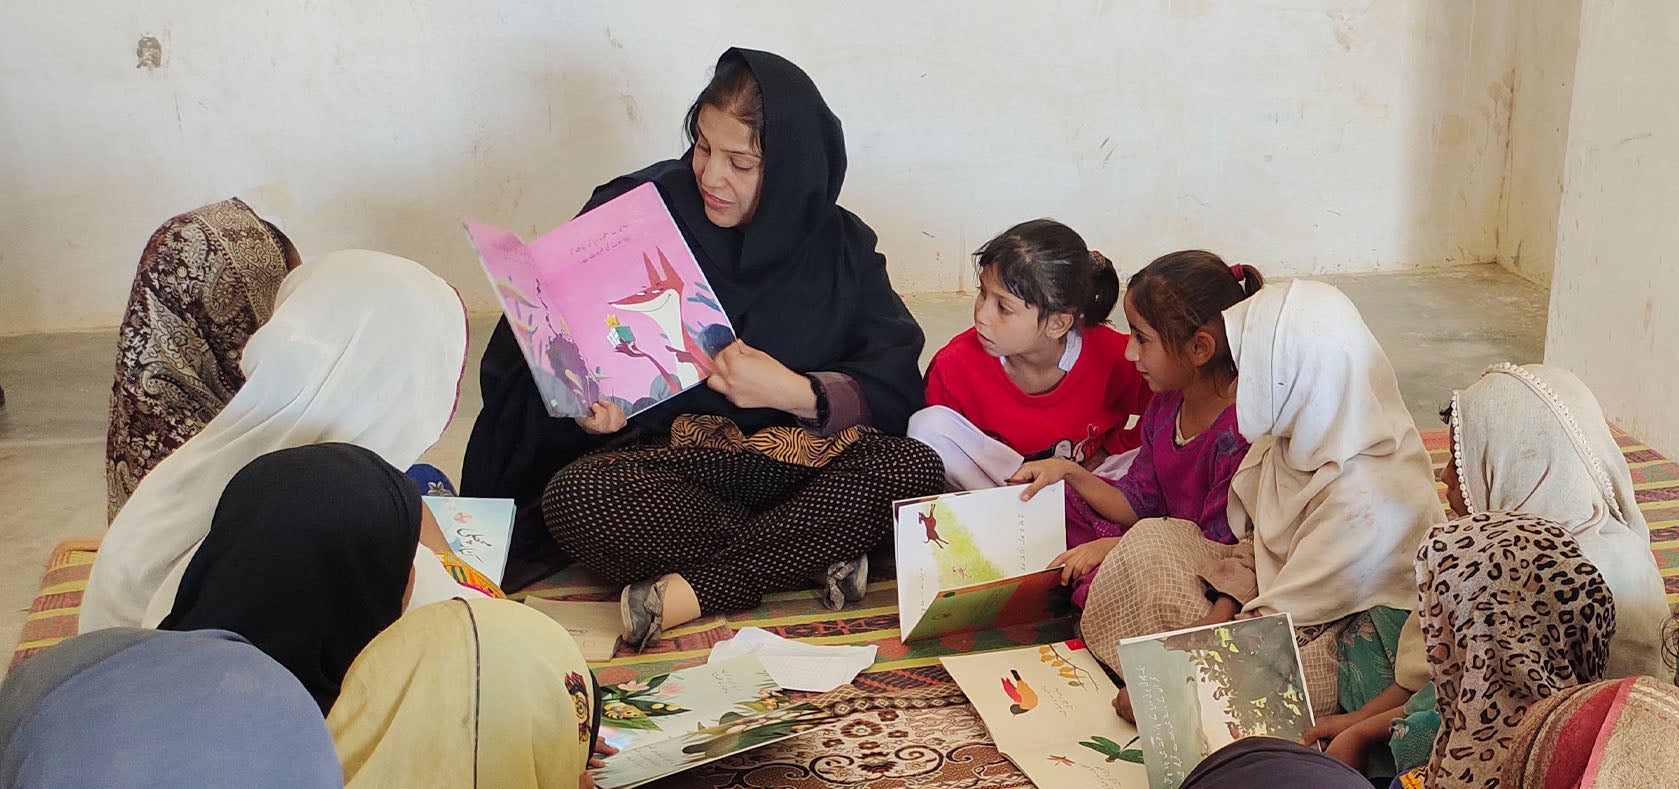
(686, 718)
(977, 559)
(1050, 710)
(1197, 690)
(609, 306)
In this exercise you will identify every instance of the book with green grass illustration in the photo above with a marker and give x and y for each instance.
(1050, 710)
(977, 559)
(686, 718)
(1197, 690)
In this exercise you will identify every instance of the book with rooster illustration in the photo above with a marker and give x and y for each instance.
(1049, 709)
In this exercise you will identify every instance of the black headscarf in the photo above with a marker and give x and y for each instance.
(802, 282)
(1266, 762)
(308, 558)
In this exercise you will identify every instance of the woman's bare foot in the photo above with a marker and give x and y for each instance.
(682, 605)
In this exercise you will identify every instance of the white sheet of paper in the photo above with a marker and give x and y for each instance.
(594, 626)
(796, 665)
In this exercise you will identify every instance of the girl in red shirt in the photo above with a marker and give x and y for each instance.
(1040, 375)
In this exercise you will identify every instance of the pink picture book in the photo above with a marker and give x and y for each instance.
(609, 306)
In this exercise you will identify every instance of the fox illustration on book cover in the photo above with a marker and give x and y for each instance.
(611, 306)
(662, 301)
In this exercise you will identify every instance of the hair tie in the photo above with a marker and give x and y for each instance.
(1237, 271)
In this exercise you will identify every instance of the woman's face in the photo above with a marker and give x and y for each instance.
(1449, 478)
(728, 167)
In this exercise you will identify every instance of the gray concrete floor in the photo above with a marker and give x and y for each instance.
(1439, 327)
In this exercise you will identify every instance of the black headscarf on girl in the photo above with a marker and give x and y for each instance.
(308, 558)
(802, 282)
(1266, 762)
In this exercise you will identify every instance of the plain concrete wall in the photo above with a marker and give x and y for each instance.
(1307, 136)
(1614, 316)
(1547, 39)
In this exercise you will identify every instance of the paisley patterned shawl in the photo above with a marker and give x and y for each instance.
(206, 281)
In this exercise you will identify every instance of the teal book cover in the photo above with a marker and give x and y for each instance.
(1195, 691)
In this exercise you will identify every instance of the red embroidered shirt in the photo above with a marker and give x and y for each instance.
(1088, 409)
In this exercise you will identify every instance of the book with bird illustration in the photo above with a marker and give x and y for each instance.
(978, 559)
(1197, 690)
(1050, 710)
(609, 306)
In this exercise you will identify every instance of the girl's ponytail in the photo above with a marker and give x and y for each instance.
(1249, 276)
(1048, 266)
(1105, 293)
(1185, 292)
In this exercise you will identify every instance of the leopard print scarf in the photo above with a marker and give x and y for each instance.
(1511, 613)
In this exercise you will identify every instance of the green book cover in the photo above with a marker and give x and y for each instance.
(1197, 690)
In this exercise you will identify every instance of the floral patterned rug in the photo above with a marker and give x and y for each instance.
(903, 723)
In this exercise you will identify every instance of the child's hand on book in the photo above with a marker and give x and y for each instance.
(597, 759)
(1353, 745)
(1043, 473)
(604, 417)
(1077, 561)
(1328, 727)
(1122, 705)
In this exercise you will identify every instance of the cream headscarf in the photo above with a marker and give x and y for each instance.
(480, 693)
(363, 348)
(1533, 439)
(1337, 490)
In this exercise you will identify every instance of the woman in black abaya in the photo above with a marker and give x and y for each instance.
(784, 466)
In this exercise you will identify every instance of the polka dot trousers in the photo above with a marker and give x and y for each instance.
(735, 524)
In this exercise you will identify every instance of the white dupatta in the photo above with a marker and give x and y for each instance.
(364, 348)
(1337, 490)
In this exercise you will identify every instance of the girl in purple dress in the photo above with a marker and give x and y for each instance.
(1191, 446)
